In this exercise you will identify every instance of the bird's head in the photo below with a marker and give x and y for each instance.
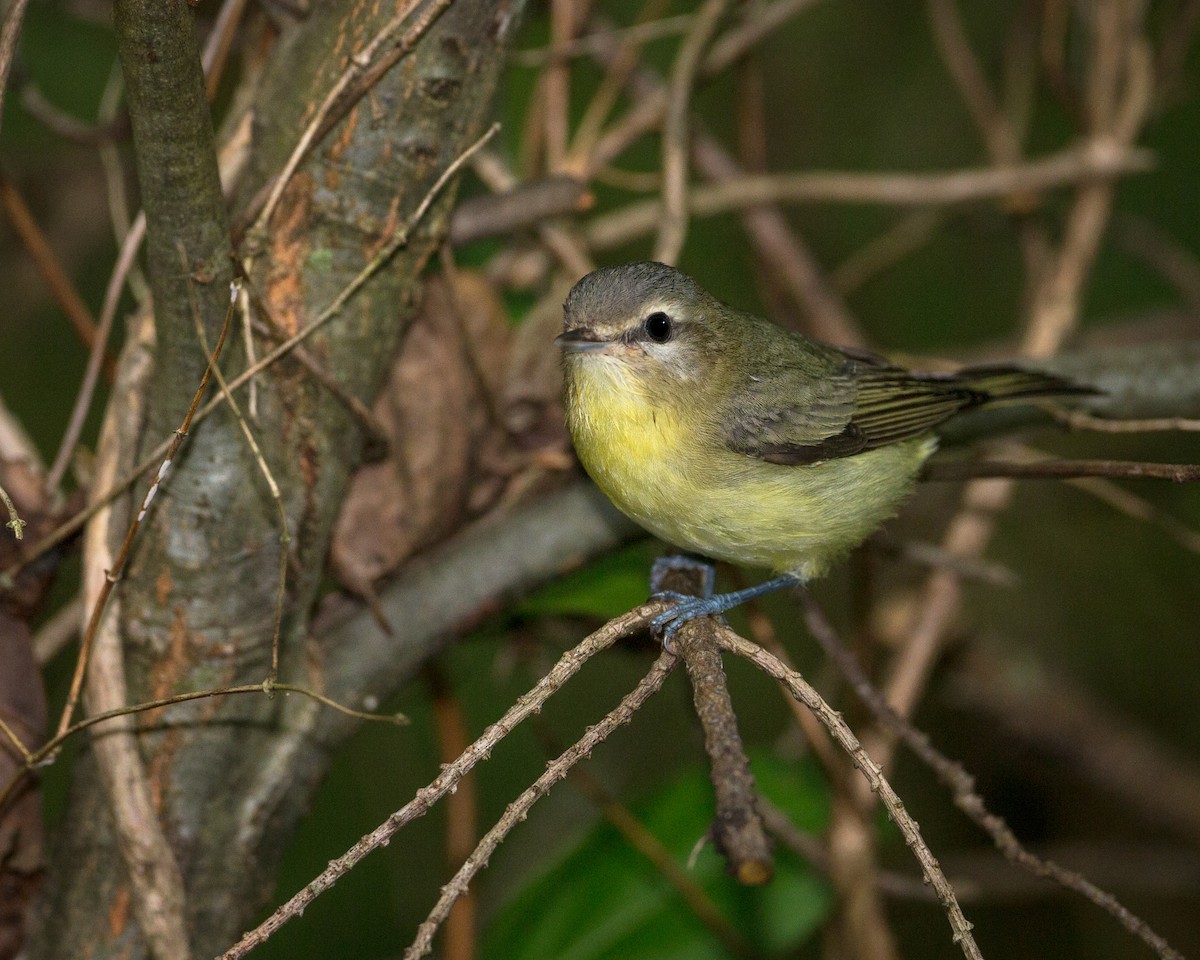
(647, 323)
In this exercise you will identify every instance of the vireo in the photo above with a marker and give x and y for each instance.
(722, 433)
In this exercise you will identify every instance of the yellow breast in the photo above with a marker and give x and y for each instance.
(670, 470)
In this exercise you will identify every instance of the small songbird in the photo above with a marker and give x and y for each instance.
(727, 435)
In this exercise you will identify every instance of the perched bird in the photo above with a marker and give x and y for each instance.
(727, 435)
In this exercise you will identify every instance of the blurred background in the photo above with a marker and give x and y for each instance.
(1066, 677)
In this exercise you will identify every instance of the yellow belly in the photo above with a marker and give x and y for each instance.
(675, 477)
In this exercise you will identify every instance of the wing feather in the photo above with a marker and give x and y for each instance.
(856, 403)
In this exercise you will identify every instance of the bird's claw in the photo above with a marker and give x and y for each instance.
(667, 623)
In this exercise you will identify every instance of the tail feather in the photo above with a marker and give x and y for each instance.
(999, 383)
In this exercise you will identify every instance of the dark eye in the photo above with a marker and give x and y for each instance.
(658, 327)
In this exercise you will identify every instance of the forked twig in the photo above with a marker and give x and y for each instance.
(845, 738)
(527, 705)
(519, 808)
(962, 787)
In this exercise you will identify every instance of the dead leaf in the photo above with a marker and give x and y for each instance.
(440, 409)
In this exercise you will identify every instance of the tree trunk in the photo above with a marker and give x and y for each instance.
(229, 777)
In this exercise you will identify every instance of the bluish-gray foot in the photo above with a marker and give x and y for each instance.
(710, 604)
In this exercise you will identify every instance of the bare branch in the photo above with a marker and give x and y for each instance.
(527, 705)
(518, 810)
(962, 786)
(954, 470)
(673, 228)
(896, 189)
(845, 738)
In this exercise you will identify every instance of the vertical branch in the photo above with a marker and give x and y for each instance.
(153, 875)
(951, 37)
(675, 132)
(10, 30)
(180, 190)
(1120, 87)
(556, 88)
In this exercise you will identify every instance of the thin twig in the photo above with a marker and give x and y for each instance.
(285, 538)
(527, 705)
(673, 228)
(907, 235)
(15, 523)
(1056, 307)
(962, 787)
(1177, 43)
(36, 758)
(759, 23)
(65, 125)
(1139, 508)
(1161, 252)
(636, 35)
(1079, 420)
(964, 67)
(87, 386)
(47, 263)
(115, 189)
(845, 738)
(955, 470)
(114, 572)
(398, 239)
(889, 189)
(13, 738)
(60, 629)
(518, 810)
(556, 85)
(273, 329)
(220, 40)
(10, 30)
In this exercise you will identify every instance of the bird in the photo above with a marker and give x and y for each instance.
(724, 434)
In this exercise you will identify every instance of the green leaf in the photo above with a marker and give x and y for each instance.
(603, 899)
(613, 585)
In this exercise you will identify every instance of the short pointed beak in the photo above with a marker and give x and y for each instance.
(580, 341)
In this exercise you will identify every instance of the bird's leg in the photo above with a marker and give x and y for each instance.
(690, 607)
(663, 568)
